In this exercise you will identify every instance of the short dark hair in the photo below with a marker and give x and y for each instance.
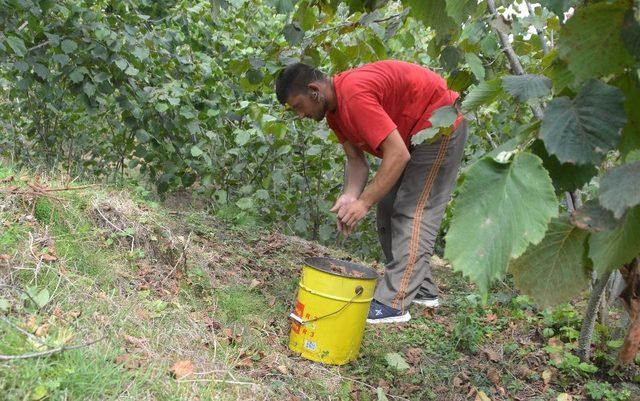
(294, 79)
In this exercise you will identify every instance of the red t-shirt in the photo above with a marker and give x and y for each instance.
(377, 98)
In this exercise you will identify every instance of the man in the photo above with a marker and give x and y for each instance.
(377, 108)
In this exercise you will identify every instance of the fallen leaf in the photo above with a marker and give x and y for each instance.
(396, 361)
(135, 341)
(282, 369)
(414, 355)
(48, 258)
(564, 397)
(428, 313)
(523, 372)
(482, 396)
(181, 369)
(57, 312)
(30, 325)
(491, 317)
(254, 283)
(42, 330)
(492, 355)
(8, 179)
(381, 395)
(127, 361)
(458, 381)
(493, 375)
(245, 362)
(547, 376)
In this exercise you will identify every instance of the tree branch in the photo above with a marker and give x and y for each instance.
(514, 61)
(49, 352)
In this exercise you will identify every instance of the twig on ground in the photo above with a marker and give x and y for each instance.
(23, 331)
(182, 255)
(49, 352)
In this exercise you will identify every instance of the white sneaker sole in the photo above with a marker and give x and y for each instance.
(428, 303)
(393, 319)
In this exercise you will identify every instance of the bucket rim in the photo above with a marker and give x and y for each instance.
(322, 264)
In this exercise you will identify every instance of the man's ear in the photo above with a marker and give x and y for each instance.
(313, 87)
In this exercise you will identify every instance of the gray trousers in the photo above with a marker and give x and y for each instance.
(409, 217)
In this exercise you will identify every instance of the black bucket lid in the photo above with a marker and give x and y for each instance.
(341, 268)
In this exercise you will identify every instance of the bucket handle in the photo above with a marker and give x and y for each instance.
(298, 319)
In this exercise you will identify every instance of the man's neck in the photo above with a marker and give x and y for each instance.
(332, 100)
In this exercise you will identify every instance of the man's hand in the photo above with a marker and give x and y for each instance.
(342, 200)
(349, 214)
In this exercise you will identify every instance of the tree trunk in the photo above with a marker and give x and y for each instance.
(630, 298)
(589, 322)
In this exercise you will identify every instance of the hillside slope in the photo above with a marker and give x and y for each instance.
(164, 302)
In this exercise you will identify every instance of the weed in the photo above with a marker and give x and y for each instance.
(605, 391)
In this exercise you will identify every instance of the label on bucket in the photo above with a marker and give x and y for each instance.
(310, 345)
(298, 312)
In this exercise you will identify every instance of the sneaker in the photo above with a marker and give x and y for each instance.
(426, 301)
(381, 313)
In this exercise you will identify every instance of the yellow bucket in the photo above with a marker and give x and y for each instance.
(331, 310)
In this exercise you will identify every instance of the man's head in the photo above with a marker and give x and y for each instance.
(306, 89)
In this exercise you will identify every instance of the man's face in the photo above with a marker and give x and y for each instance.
(309, 105)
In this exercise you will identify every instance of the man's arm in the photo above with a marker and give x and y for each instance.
(355, 178)
(394, 160)
(357, 171)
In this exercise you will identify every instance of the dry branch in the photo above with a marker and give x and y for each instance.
(49, 352)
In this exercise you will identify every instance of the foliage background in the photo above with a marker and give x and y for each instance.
(179, 94)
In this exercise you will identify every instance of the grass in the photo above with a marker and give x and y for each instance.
(168, 286)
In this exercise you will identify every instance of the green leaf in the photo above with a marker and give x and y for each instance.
(485, 93)
(460, 10)
(558, 6)
(196, 151)
(131, 71)
(161, 107)
(141, 53)
(528, 86)
(565, 176)
(381, 395)
(620, 188)
(4, 305)
(42, 298)
(554, 270)
(17, 45)
(609, 250)
(61, 59)
(433, 13)
(581, 130)
(396, 361)
(506, 206)
(476, 66)
(591, 43)
(101, 77)
(76, 76)
(242, 137)
(122, 64)
(143, 136)
(282, 6)
(593, 217)
(631, 34)
(21, 66)
(245, 203)
(424, 135)
(68, 46)
(630, 86)
(262, 194)
(459, 80)
(41, 70)
(293, 33)
(444, 116)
